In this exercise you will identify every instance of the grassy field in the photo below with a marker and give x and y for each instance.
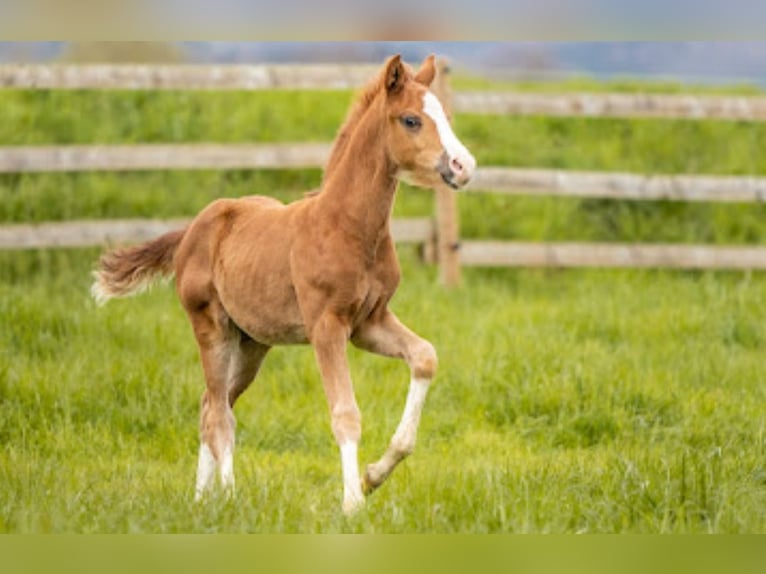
(576, 401)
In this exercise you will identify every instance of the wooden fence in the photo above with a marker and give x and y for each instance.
(440, 237)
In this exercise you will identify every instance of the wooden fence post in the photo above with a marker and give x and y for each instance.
(447, 222)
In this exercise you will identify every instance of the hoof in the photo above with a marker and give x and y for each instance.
(367, 487)
(370, 484)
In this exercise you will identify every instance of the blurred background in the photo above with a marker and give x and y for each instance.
(711, 62)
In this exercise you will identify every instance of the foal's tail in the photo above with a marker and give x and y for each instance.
(131, 270)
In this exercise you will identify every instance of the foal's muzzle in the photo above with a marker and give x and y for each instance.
(455, 172)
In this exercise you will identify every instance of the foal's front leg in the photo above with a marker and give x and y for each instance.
(329, 338)
(389, 337)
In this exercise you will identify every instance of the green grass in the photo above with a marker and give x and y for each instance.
(566, 401)
(58, 117)
(585, 401)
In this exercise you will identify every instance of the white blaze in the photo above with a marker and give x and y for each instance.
(432, 107)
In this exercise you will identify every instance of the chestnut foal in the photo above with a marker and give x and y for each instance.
(252, 273)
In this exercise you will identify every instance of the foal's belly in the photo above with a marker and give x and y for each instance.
(273, 330)
(267, 311)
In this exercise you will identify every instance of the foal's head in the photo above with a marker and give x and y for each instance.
(420, 140)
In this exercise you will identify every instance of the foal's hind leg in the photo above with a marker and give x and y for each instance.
(230, 361)
(389, 337)
(244, 366)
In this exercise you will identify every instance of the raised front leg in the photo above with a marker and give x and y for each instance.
(329, 338)
(389, 337)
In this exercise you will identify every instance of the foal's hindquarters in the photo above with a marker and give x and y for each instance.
(209, 267)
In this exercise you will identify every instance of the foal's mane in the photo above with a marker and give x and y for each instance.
(362, 103)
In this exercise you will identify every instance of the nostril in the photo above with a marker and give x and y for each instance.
(456, 166)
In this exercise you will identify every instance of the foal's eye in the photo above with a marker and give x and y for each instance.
(411, 122)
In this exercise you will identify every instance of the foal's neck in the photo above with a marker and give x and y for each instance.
(360, 189)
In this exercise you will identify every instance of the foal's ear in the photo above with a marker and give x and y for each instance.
(427, 71)
(395, 76)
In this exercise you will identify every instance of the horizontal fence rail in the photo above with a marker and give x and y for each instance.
(162, 156)
(519, 254)
(473, 253)
(342, 76)
(116, 231)
(751, 108)
(183, 77)
(84, 233)
(525, 181)
(613, 185)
